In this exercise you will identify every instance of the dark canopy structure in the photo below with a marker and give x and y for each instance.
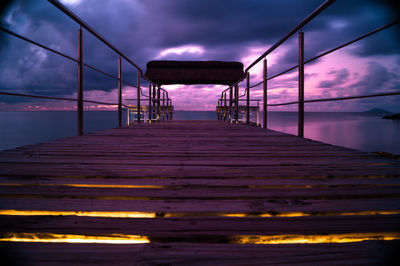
(194, 72)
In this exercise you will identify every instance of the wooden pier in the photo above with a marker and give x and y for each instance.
(197, 193)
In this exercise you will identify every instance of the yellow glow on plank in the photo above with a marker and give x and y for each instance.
(197, 186)
(238, 239)
(69, 238)
(83, 185)
(314, 239)
(80, 213)
(300, 214)
(131, 214)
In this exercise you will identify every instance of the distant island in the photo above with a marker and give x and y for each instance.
(394, 117)
(378, 111)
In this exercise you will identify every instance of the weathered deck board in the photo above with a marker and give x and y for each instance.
(191, 175)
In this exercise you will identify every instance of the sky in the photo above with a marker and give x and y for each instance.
(226, 30)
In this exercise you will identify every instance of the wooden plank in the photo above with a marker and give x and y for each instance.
(201, 172)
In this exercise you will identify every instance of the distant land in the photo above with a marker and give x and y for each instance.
(378, 111)
(394, 117)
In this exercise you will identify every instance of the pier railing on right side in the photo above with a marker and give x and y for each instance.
(154, 97)
(231, 109)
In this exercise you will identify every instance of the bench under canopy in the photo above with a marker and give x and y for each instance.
(194, 72)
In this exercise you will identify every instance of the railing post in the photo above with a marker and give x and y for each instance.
(158, 103)
(225, 106)
(218, 109)
(138, 97)
(154, 102)
(167, 109)
(248, 98)
(265, 94)
(80, 83)
(170, 106)
(119, 92)
(237, 103)
(301, 86)
(163, 106)
(230, 104)
(149, 109)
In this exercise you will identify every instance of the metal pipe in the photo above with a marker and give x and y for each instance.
(301, 86)
(138, 97)
(80, 83)
(265, 94)
(158, 103)
(230, 105)
(248, 98)
(237, 103)
(38, 44)
(119, 92)
(153, 102)
(78, 20)
(225, 109)
(150, 100)
(37, 96)
(167, 110)
(163, 106)
(315, 13)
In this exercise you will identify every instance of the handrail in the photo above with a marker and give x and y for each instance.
(78, 20)
(54, 98)
(305, 21)
(300, 68)
(37, 44)
(332, 50)
(82, 64)
(339, 98)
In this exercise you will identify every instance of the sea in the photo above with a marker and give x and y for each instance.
(361, 131)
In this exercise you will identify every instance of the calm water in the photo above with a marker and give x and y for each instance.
(354, 130)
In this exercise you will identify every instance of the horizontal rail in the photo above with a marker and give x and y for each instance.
(54, 98)
(315, 13)
(38, 96)
(339, 98)
(38, 44)
(100, 71)
(331, 50)
(74, 17)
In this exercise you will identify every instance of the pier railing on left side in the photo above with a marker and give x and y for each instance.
(154, 97)
(231, 109)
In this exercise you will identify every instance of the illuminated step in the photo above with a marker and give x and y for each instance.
(236, 239)
(130, 214)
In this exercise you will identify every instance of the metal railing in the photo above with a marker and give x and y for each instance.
(154, 101)
(234, 95)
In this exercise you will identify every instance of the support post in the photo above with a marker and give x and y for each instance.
(158, 103)
(225, 106)
(171, 111)
(301, 86)
(163, 106)
(149, 109)
(218, 109)
(167, 110)
(80, 83)
(119, 92)
(230, 104)
(138, 97)
(154, 102)
(237, 103)
(248, 98)
(265, 94)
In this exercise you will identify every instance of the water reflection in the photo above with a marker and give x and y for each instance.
(360, 131)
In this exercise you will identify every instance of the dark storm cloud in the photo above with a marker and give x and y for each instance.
(141, 29)
(376, 78)
(340, 76)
